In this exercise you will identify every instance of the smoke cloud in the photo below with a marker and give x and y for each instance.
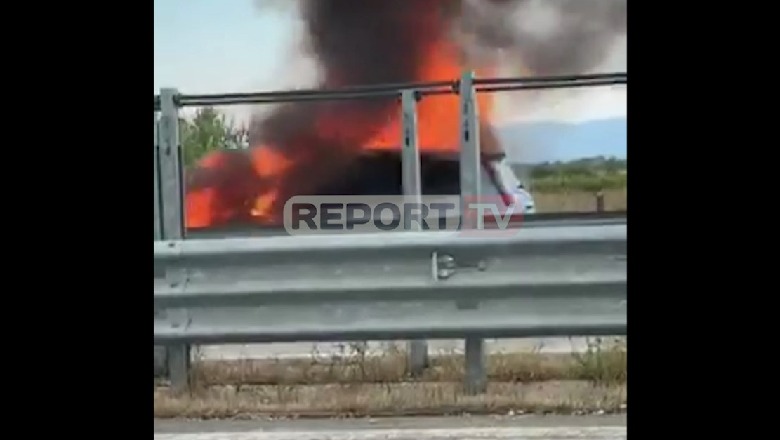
(550, 37)
(355, 42)
(359, 42)
(365, 42)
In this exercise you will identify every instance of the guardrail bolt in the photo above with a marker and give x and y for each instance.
(445, 266)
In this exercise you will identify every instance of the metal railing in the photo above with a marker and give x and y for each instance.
(545, 281)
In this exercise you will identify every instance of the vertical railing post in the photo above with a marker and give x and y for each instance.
(412, 187)
(157, 210)
(600, 201)
(159, 352)
(470, 190)
(172, 214)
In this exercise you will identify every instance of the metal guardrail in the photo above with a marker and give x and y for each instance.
(543, 281)
(548, 280)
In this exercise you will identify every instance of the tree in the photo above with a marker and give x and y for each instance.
(207, 131)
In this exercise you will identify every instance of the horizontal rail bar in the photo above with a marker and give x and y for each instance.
(206, 336)
(595, 309)
(541, 86)
(258, 293)
(292, 98)
(538, 86)
(384, 242)
(394, 89)
(549, 79)
(560, 85)
(364, 89)
(528, 221)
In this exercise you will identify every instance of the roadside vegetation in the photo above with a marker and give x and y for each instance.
(356, 383)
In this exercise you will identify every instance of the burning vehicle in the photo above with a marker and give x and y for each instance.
(375, 173)
(351, 147)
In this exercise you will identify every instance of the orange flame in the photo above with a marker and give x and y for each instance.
(254, 185)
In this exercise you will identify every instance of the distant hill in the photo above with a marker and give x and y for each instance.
(558, 141)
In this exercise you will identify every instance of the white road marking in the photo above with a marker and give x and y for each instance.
(513, 433)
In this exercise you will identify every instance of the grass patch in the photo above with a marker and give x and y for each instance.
(580, 182)
(602, 362)
(579, 201)
(397, 399)
(357, 384)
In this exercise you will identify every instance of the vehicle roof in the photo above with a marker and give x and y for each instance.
(379, 173)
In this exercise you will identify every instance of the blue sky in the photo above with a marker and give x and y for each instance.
(222, 46)
(203, 46)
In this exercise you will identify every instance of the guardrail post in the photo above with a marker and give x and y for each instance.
(172, 213)
(470, 173)
(410, 159)
(157, 228)
(600, 201)
(159, 352)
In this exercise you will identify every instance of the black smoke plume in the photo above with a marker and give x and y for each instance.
(355, 42)
(364, 42)
(550, 37)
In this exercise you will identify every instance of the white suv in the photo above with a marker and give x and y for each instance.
(499, 179)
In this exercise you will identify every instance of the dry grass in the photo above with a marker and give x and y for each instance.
(580, 201)
(398, 399)
(602, 363)
(359, 385)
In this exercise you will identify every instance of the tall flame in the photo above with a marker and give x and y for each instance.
(253, 185)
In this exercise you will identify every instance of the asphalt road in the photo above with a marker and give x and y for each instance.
(606, 427)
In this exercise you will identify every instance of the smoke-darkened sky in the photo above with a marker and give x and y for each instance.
(202, 46)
